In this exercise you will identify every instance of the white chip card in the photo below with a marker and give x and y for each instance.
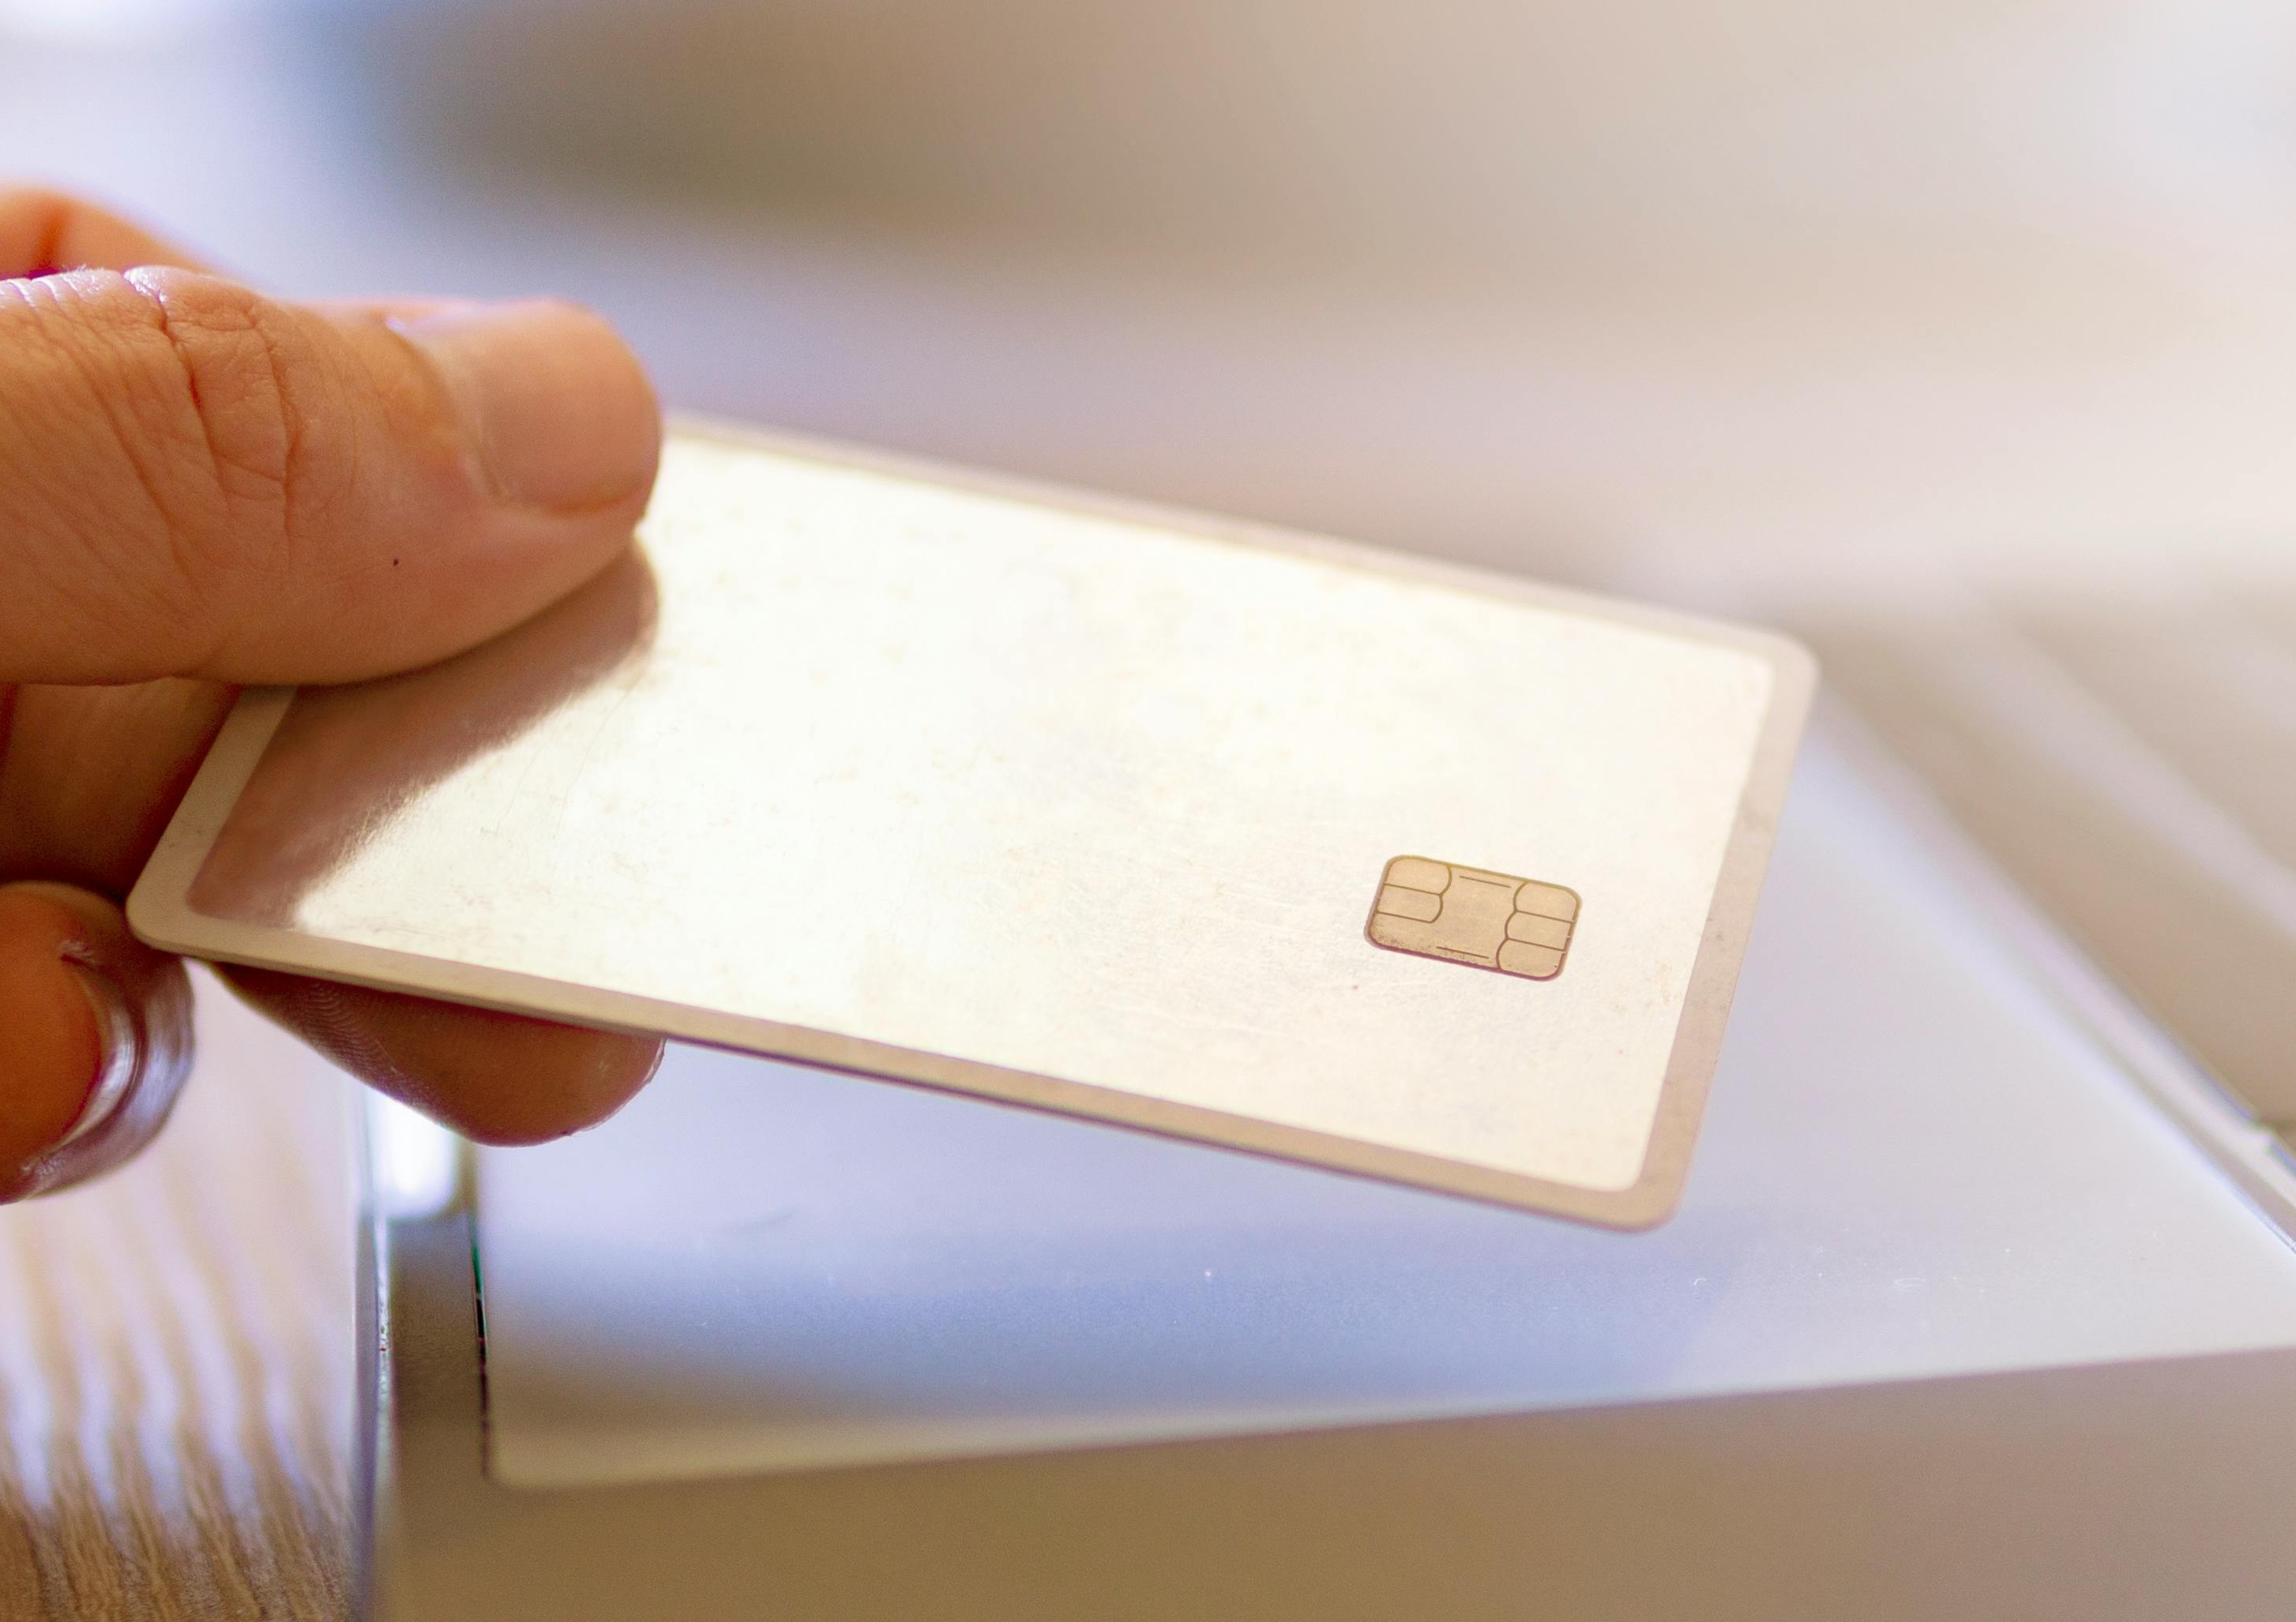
(1269, 842)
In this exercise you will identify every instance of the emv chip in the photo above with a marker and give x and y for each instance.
(1493, 920)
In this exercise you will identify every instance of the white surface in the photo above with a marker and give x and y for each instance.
(1914, 1165)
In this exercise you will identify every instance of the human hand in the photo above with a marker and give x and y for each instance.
(201, 486)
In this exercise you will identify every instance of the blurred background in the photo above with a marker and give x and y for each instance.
(1728, 304)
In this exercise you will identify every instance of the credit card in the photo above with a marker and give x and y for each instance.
(1271, 842)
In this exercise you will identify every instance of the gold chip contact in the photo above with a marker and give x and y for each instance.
(1493, 920)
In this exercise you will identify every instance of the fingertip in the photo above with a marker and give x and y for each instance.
(556, 410)
(55, 1038)
(597, 1073)
(99, 1039)
(497, 1079)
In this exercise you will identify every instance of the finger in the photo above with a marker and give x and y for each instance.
(196, 480)
(495, 1078)
(98, 1038)
(90, 775)
(44, 232)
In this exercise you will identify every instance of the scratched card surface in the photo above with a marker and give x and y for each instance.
(1269, 842)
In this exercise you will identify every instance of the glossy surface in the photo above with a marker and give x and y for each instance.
(1072, 807)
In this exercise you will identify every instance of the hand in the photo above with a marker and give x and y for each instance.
(198, 487)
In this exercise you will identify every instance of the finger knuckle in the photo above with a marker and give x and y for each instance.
(232, 363)
(182, 387)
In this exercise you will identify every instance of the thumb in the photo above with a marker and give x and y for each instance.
(196, 480)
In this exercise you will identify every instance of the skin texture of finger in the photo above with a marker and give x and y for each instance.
(44, 232)
(495, 1078)
(99, 1038)
(89, 776)
(198, 480)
